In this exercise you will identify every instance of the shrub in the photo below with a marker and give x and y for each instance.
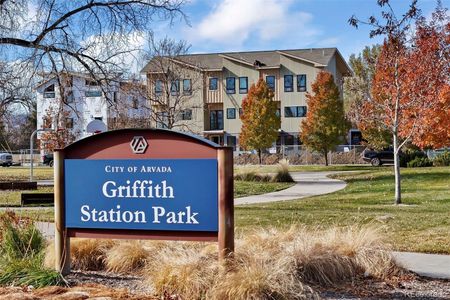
(21, 249)
(442, 160)
(420, 162)
(410, 155)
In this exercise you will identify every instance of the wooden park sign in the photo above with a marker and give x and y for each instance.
(143, 184)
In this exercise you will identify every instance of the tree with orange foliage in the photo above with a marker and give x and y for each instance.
(260, 122)
(61, 136)
(409, 95)
(325, 122)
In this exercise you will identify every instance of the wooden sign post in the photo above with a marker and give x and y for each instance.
(143, 184)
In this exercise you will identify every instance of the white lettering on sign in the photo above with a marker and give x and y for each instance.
(114, 216)
(171, 217)
(138, 189)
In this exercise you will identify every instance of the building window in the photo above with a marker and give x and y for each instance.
(175, 87)
(231, 85)
(90, 82)
(243, 85)
(270, 80)
(69, 122)
(301, 83)
(161, 120)
(186, 114)
(288, 83)
(231, 141)
(216, 120)
(98, 118)
(187, 87)
(47, 122)
(295, 111)
(91, 94)
(135, 103)
(158, 87)
(231, 113)
(49, 91)
(240, 112)
(70, 97)
(213, 84)
(115, 96)
(278, 113)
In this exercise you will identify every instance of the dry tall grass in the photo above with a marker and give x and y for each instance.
(268, 264)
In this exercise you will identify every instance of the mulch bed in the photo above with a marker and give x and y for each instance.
(106, 286)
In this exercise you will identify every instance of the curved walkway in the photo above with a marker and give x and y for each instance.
(307, 184)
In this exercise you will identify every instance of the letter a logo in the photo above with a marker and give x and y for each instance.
(138, 145)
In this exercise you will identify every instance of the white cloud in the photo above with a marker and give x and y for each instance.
(233, 22)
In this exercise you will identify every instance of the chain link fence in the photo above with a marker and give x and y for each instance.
(300, 155)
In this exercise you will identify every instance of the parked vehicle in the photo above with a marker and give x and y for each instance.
(47, 159)
(6, 159)
(378, 158)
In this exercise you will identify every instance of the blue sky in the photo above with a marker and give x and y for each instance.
(240, 25)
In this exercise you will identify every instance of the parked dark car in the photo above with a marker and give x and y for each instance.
(6, 159)
(47, 159)
(378, 158)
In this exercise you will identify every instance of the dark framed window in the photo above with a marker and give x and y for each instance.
(243, 85)
(115, 97)
(158, 87)
(162, 120)
(135, 103)
(89, 82)
(186, 114)
(288, 83)
(231, 113)
(69, 122)
(295, 111)
(301, 83)
(49, 91)
(270, 80)
(231, 141)
(91, 94)
(240, 112)
(98, 118)
(216, 119)
(231, 85)
(213, 82)
(187, 87)
(175, 87)
(278, 113)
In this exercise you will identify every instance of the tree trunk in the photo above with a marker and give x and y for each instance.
(259, 156)
(326, 157)
(398, 196)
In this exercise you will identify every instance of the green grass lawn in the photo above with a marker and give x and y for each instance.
(422, 224)
(23, 173)
(248, 188)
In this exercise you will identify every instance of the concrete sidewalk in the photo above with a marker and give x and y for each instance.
(429, 265)
(307, 184)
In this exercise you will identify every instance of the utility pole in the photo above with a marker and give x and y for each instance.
(32, 146)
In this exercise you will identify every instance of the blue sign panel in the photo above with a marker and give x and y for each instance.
(147, 194)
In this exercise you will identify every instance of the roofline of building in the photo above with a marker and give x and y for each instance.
(300, 58)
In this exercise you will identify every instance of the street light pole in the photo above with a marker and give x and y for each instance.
(32, 146)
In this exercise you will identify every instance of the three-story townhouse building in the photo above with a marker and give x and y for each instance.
(222, 81)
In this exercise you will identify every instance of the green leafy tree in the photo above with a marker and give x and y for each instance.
(325, 123)
(260, 122)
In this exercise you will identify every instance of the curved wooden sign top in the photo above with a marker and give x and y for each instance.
(161, 143)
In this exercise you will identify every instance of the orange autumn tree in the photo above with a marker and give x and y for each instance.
(409, 95)
(260, 122)
(325, 123)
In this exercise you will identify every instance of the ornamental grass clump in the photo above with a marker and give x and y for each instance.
(282, 174)
(126, 257)
(22, 254)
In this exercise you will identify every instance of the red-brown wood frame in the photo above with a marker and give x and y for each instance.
(162, 144)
